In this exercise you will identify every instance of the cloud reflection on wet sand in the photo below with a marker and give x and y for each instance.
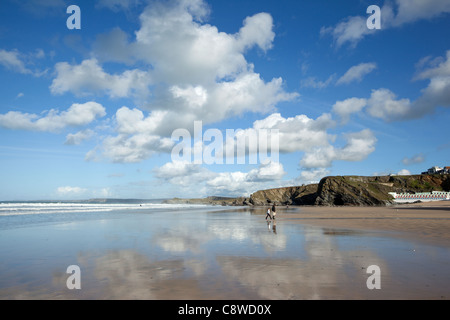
(326, 273)
(229, 257)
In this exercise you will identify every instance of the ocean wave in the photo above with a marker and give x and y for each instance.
(11, 209)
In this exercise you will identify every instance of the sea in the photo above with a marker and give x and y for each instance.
(148, 249)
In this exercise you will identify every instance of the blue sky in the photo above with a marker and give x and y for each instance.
(90, 112)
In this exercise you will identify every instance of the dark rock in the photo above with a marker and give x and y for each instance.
(336, 191)
(351, 190)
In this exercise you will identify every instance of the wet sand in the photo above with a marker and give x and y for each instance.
(428, 221)
(234, 254)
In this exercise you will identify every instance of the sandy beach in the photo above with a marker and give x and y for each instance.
(228, 253)
(427, 221)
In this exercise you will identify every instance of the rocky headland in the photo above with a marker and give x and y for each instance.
(335, 191)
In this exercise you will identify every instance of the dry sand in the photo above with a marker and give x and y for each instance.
(428, 221)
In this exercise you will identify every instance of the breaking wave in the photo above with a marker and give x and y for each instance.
(28, 208)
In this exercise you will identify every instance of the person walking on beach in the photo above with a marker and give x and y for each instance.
(273, 212)
(268, 214)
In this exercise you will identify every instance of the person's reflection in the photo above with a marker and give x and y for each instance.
(272, 226)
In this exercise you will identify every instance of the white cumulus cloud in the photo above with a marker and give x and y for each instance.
(234, 183)
(311, 176)
(384, 104)
(299, 133)
(186, 67)
(89, 78)
(345, 108)
(53, 120)
(195, 68)
(358, 147)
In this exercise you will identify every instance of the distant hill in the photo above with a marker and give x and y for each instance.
(222, 201)
(336, 191)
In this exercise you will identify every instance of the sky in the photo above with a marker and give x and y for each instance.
(107, 101)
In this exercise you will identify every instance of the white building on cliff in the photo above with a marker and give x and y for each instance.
(437, 170)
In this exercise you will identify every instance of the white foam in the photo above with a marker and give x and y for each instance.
(12, 209)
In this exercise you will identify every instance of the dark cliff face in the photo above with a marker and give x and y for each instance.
(336, 191)
(351, 190)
